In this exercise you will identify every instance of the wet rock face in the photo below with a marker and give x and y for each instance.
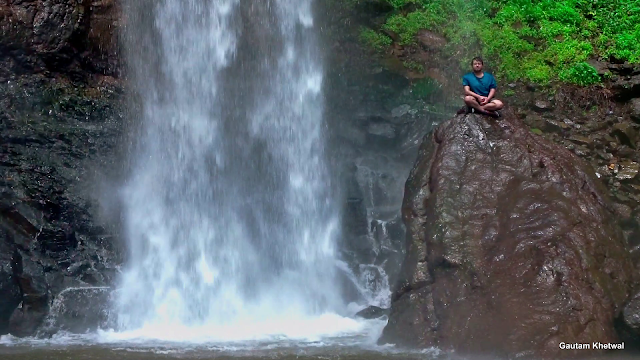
(69, 310)
(625, 83)
(60, 112)
(512, 246)
(635, 109)
(631, 313)
(59, 35)
(57, 142)
(372, 312)
(9, 289)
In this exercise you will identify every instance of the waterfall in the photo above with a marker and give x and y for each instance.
(230, 218)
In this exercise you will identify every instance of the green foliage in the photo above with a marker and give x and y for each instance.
(375, 39)
(450, 15)
(406, 26)
(399, 4)
(412, 65)
(581, 74)
(508, 92)
(540, 41)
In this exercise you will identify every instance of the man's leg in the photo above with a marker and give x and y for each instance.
(493, 105)
(472, 102)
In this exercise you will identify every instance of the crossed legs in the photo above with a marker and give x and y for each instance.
(491, 106)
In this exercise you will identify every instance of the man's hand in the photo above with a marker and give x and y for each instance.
(483, 100)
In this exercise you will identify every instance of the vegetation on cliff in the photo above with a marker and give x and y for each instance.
(539, 41)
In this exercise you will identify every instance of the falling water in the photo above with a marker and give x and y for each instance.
(229, 212)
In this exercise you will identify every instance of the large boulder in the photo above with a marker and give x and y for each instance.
(512, 246)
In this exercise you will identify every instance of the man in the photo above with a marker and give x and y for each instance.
(479, 90)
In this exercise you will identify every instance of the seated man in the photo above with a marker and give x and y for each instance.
(479, 89)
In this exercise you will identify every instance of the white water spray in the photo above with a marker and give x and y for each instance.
(229, 214)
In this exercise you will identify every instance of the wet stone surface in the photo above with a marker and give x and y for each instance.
(58, 139)
(505, 228)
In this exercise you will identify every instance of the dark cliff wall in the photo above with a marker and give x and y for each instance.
(61, 118)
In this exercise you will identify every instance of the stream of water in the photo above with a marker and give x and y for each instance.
(230, 217)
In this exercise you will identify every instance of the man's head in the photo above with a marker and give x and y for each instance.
(477, 64)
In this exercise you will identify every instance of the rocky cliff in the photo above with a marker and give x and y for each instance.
(61, 118)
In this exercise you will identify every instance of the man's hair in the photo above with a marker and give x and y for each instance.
(477, 58)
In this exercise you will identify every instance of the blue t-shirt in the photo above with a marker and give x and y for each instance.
(480, 86)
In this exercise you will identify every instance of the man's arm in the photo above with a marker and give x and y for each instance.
(492, 92)
(492, 88)
(468, 92)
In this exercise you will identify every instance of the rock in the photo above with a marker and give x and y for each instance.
(635, 110)
(372, 230)
(622, 210)
(30, 276)
(629, 324)
(624, 69)
(619, 196)
(33, 285)
(61, 35)
(581, 151)
(626, 152)
(372, 312)
(626, 88)
(10, 295)
(26, 319)
(604, 155)
(509, 247)
(625, 133)
(400, 110)
(603, 171)
(105, 20)
(556, 126)
(382, 129)
(610, 138)
(69, 310)
(430, 40)
(350, 132)
(50, 235)
(582, 140)
(601, 67)
(542, 106)
(355, 223)
(535, 120)
(382, 135)
(631, 313)
(627, 170)
(373, 8)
